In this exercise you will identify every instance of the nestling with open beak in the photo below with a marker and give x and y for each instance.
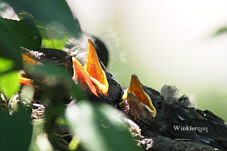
(78, 48)
(45, 55)
(40, 57)
(95, 80)
(157, 116)
(140, 102)
(63, 58)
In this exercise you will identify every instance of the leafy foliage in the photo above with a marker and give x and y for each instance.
(55, 82)
(24, 32)
(39, 140)
(100, 127)
(49, 24)
(54, 43)
(15, 34)
(16, 131)
(8, 80)
(9, 84)
(49, 12)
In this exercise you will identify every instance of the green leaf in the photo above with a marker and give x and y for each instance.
(54, 43)
(9, 83)
(56, 83)
(15, 130)
(15, 34)
(100, 127)
(24, 32)
(5, 65)
(52, 37)
(54, 13)
(26, 94)
(220, 31)
(9, 47)
(39, 140)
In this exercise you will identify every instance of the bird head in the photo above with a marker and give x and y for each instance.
(43, 56)
(27, 58)
(91, 76)
(78, 48)
(138, 100)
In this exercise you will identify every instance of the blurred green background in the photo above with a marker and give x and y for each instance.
(164, 42)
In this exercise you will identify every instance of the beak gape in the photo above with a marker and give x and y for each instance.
(23, 80)
(91, 74)
(137, 90)
(29, 60)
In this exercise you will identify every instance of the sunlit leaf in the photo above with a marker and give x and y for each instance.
(73, 145)
(54, 43)
(27, 93)
(39, 138)
(15, 130)
(9, 83)
(100, 127)
(5, 64)
(52, 36)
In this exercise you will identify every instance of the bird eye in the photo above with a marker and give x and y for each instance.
(159, 105)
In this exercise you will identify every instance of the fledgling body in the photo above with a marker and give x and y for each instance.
(174, 117)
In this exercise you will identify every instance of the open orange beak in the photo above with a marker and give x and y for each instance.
(23, 79)
(91, 74)
(137, 90)
(28, 59)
